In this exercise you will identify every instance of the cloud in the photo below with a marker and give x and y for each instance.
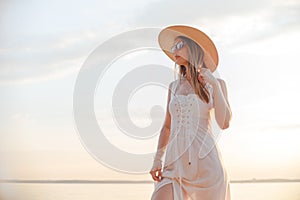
(281, 127)
(277, 19)
(23, 119)
(230, 22)
(35, 60)
(169, 11)
(41, 42)
(53, 46)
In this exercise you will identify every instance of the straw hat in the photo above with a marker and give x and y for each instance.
(167, 36)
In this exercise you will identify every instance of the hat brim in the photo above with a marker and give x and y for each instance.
(167, 36)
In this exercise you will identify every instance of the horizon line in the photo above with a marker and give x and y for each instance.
(82, 181)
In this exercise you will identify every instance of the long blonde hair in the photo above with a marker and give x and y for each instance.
(195, 60)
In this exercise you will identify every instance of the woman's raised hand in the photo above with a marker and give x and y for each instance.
(205, 75)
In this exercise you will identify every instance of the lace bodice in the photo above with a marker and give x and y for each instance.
(190, 120)
(187, 102)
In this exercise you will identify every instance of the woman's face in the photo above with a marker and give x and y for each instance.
(181, 55)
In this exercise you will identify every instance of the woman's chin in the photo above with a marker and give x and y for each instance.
(180, 63)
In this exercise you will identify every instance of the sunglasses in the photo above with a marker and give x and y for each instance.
(177, 46)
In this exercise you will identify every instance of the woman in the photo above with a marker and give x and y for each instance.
(193, 167)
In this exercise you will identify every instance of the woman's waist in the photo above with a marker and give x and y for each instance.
(191, 126)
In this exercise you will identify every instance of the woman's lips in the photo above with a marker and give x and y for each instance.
(177, 57)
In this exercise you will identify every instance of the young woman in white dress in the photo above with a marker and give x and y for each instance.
(193, 167)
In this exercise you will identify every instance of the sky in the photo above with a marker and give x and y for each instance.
(45, 45)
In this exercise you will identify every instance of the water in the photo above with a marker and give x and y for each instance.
(46, 191)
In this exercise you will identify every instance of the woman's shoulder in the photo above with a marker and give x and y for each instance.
(172, 83)
(172, 86)
(221, 81)
(223, 86)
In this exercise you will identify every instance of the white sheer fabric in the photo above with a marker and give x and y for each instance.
(193, 162)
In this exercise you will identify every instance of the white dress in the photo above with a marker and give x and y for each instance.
(193, 162)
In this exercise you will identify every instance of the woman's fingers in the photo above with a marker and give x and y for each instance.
(201, 78)
(159, 175)
(202, 75)
(154, 176)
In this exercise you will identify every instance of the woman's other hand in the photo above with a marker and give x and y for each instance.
(156, 170)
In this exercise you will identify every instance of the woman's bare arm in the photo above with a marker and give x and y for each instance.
(156, 172)
(165, 131)
(222, 108)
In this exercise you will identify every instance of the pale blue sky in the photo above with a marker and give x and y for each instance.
(44, 44)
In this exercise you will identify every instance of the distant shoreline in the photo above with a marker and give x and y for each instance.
(133, 182)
